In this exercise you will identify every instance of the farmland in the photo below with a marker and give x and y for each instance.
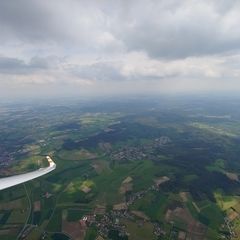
(156, 169)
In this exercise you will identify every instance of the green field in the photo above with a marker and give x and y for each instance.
(115, 156)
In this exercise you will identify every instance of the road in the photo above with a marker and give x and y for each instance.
(21, 178)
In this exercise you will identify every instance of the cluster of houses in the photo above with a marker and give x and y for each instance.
(112, 220)
(128, 153)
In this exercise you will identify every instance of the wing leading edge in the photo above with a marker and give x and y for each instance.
(21, 178)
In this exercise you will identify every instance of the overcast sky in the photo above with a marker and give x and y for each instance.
(74, 47)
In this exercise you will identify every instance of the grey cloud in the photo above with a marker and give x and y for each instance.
(119, 43)
(72, 25)
(98, 71)
(113, 72)
(7, 65)
(188, 28)
(19, 66)
(25, 19)
(163, 29)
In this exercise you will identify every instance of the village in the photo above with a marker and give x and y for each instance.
(127, 153)
(112, 221)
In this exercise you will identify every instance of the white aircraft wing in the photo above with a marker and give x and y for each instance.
(21, 178)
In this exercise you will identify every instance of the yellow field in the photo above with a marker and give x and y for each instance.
(78, 185)
(226, 202)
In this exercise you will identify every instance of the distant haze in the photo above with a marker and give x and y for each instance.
(94, 48)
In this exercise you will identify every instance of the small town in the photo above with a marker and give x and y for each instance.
(111, 221)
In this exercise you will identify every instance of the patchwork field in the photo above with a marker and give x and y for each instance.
(123, 172)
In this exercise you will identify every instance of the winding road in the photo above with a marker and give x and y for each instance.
(21, 178)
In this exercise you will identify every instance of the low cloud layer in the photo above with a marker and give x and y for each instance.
(74, 47)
